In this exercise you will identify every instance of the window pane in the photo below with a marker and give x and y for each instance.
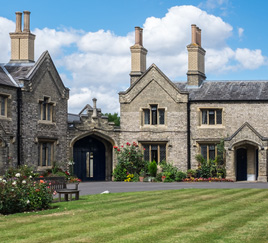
(154, 114)
(219, 116)
(162, 152)
(161, 116)
(39, 110)
(44, 155)
(146, 152)
(48, 111)
(212, 152)
(204, 117)
(49, 153)
(211, 117)
(44, 111)
(204, 151)
(146, 116)
(3, 106)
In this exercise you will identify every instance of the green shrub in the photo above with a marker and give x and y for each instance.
(169, 170)
(159, 177)
(19, 192)
(180, 176)
(205, 171)
(191, 173)
(152, 168)
(130, 158)
(119, 173)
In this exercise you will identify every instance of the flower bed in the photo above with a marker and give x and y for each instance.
(213, 179)
(19, 192)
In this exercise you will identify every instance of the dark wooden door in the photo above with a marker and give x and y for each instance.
(241, 164)
(89, 158)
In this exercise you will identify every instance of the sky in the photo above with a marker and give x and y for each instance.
(89, 41)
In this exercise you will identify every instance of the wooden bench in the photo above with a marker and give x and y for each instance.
(58, 184)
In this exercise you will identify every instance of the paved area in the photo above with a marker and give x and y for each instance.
(88, 188)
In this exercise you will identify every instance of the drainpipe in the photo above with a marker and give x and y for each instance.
(18, 126)
(188, 137)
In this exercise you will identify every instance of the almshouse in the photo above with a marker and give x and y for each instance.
(171, 121)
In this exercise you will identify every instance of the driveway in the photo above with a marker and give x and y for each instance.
(88, 188)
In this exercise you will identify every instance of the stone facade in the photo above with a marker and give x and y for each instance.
(33, 116)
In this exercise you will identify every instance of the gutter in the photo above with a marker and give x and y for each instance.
(188, 137)
(19, 126)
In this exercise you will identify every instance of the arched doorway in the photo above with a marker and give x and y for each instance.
(247, 162)
(90, 159)
(241, 164)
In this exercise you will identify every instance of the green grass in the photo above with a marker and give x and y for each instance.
(189, 215)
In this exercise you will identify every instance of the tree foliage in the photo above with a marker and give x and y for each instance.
(113, 118)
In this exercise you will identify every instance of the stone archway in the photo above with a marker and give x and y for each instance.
(246, 156)
(93, 158)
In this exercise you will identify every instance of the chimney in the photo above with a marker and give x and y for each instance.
(138, 57)
(196, 59)
(94, 115)
(22, 42)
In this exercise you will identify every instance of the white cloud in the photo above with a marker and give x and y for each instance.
(97, 64)
(249, 59)
(240, 32)
(6, 26)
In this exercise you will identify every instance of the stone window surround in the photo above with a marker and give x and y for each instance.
(207, 143)
(53, 143)
(158, 143)
(149, 108)
(6, 96)
(199, 111)
(53, 104)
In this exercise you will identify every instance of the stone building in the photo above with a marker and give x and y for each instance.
(33, 104)
(172, 121)
(177, 121)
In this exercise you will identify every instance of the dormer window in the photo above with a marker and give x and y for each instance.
(45, 110)
(154, 116)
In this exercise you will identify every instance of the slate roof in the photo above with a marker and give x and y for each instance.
(11, 73)
(227, 91)
(73, 118)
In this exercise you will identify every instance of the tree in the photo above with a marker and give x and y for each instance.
(113, 118)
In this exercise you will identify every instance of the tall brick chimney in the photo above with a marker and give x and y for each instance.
(138, 57)
(22, 42)
(196, 59)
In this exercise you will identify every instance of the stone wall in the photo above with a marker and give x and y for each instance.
(8, 130)
(45, 83)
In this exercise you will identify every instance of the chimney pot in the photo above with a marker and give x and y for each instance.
(94, 107)
(26, 21)
(18, 22)
(193, 34)
(138, 36)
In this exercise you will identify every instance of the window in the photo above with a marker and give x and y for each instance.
(208, 151)
(154, 116)
(45, 110)
(154, 152)
(211, 116)
(45, 153)
(3, 105)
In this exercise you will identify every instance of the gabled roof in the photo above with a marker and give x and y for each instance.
(227, 91)
(246, 124)
(153, 66)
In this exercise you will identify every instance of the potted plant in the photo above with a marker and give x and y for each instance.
(75, 181)
(142, 175)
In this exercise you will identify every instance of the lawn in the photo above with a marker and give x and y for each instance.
(188, 215)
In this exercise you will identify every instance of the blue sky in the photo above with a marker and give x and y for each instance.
(89, 40)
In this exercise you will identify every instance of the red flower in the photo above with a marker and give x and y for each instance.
(128, 144)
(115, 147)
(41, 176)
(122, 146)
(144, 149)
(118, 150)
